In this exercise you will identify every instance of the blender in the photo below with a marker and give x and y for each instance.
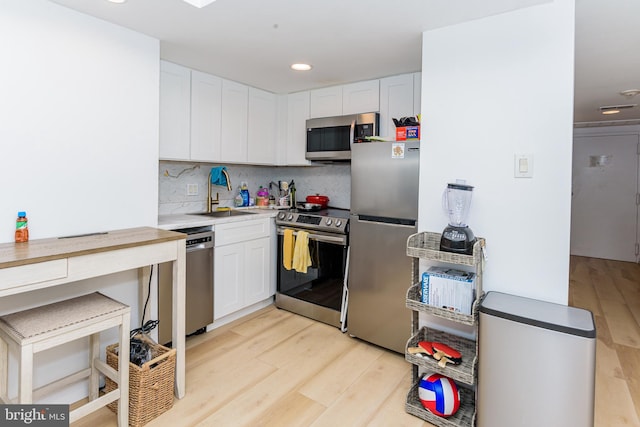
(457, 237)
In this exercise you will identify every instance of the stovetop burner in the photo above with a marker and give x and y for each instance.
(332, 220)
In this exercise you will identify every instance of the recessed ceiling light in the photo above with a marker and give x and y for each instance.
(118, 1)
(199, 3)
(612, 111)
(301, 67)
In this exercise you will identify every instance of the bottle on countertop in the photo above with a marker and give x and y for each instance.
(238, 200)
(262, 196)
(244, 192)
(262, 192)
(22, 228)
(292, 192)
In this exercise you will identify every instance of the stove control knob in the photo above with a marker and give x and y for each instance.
(329, 221)
(281, 215)
(338, 223)
(290, 217)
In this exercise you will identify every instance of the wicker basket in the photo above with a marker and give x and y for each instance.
(150, 385)
(414, 298)
(464, 372)
(427, 245)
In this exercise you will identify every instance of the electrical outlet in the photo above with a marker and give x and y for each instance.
(192, 189)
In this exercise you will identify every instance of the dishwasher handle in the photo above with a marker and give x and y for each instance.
(199, 246)
(200, 241)
(198, 238)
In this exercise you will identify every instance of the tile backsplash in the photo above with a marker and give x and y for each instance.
(332, 180)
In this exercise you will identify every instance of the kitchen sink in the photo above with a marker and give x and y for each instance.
(225, 214)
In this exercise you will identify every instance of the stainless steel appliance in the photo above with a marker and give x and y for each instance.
(384, 213)
(319, 293)
(331, 138)
(199, 285)
(514, 388)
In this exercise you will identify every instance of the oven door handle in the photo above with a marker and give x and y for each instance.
(319, 237)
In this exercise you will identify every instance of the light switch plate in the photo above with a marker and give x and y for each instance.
(523, 166)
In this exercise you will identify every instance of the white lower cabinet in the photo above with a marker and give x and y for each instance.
(257, 272)
(243, 265)
(228, 278)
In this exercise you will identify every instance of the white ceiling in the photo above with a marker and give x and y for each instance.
(255, 41)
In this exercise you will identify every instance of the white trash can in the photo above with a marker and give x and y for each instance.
(536, 363)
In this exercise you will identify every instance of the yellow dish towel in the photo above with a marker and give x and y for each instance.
(301, 256)
(287, 248)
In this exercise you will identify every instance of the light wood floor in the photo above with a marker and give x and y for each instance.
(275, 368)
(611, 291)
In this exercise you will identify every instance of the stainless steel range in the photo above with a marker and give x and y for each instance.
(319, 293)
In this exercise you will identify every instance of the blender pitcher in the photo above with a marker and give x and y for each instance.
(457, 236)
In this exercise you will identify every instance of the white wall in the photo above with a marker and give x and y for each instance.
(492, 88)
(79, 122)
(78, 144)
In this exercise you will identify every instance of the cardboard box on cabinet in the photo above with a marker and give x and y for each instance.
(407, 133)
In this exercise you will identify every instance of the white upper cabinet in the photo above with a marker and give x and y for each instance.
(206, 118)
(262, 127)
(297, 115)
(175, 115)
(326, 102)
(190, 111)
(353, 98)
(235, 99)
(206, 110)
(396, 101)
(361, 97)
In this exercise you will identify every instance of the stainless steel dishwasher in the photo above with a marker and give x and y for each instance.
(199, 285)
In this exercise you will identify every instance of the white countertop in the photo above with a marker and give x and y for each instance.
(178, 221)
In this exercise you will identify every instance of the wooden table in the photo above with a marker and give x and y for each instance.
(44, 263)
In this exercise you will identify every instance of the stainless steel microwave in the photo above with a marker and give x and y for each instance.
(330, 138)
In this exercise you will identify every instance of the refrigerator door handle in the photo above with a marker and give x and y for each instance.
(385, 220)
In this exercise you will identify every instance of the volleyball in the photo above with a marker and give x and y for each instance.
(439, 394)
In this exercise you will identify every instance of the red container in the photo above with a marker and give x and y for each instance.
(323, 201)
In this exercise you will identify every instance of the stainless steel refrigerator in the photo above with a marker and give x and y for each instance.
(384, 213)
